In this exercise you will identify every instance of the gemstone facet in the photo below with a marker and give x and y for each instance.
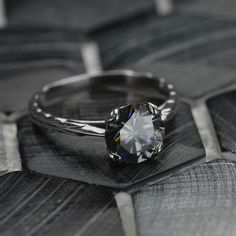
(134, 133)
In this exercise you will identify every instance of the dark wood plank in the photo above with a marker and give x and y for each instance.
(186, 49)
(223, 113)
(83, 15)
(36, 205)
(199, 201)
(29, 59)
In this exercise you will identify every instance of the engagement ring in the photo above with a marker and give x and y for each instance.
(133, 132)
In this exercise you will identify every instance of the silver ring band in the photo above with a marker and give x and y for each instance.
(85, 81)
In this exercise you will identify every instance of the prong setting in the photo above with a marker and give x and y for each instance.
(134, 133)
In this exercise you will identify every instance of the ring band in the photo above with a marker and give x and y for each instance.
(133, 133)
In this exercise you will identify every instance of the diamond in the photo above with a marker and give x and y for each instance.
(134, 133)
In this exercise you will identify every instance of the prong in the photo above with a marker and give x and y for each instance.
(114, 115)
(113, 156)
(153, 108)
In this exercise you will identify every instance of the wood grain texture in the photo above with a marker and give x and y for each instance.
(194, 51)
(167, 38)
(184, 48)
(216, 9)
(37, 205)
(223, 112)
(30, 59)
(83, 15)
(199, 201)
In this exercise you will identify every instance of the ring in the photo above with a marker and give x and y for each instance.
(133, 132)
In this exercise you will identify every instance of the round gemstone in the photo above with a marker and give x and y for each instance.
(134, 133)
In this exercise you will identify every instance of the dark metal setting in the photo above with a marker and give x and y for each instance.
(144, 121)
(133, 139)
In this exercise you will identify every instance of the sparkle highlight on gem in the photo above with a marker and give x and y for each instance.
(135, 134)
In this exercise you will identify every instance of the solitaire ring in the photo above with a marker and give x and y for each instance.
(133, 132)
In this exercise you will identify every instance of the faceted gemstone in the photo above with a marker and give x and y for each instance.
(134, 133)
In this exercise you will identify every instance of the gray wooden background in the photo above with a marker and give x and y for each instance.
(53, 184)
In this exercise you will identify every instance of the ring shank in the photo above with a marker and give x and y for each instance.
(64, 87)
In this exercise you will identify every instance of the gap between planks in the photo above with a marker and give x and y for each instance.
(206, 129)
(125, 206)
